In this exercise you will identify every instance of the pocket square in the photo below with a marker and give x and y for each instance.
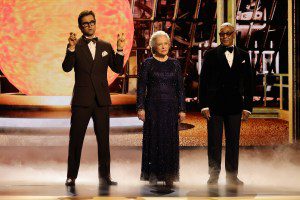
(104, 53)
(243, 61)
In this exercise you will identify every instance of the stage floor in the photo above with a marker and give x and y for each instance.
(39, 173)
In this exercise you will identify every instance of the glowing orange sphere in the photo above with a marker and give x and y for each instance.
(33, 39)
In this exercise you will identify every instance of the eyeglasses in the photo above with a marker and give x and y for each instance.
(222, 34)
(86, 24)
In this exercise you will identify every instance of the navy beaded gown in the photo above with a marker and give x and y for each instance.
(160, 92)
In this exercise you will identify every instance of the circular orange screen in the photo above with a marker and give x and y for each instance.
(34, 35)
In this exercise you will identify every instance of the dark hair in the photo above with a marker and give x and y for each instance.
(85, 13)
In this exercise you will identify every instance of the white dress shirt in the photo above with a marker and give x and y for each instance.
(229, 56)
(92, 47)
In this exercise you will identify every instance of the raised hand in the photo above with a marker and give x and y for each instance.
(72, 41)
(121, 41)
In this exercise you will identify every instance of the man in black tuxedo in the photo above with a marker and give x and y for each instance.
(90, 58)
(226, 95)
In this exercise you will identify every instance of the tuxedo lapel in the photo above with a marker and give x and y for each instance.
(98, 55)
(221, 57)
(236, 58)
(86, 51)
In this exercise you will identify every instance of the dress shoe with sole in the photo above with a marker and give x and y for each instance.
(106, 182)
(213, 180)
(233, 180)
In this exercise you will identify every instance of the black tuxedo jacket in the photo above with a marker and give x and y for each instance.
(224, 89)
(91, 75)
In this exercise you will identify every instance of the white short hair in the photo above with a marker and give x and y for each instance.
(155, 35)
(227, 24)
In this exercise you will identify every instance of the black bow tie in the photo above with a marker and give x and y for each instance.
(230, 49)
(88, 40)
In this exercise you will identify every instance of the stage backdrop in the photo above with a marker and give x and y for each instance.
(33, 39)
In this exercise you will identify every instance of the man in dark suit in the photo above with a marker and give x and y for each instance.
(226, 95)
(90, 58)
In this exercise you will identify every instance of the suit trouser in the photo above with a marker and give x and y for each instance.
(79, 122)
(232, 124)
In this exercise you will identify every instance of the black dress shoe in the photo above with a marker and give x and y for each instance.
(106, 182)
(234, 180)
(70, 182)
(213, 180)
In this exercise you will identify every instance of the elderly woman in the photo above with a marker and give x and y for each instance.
(160, 105)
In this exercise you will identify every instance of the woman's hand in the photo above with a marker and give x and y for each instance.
(141, 114)
(182, 116)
